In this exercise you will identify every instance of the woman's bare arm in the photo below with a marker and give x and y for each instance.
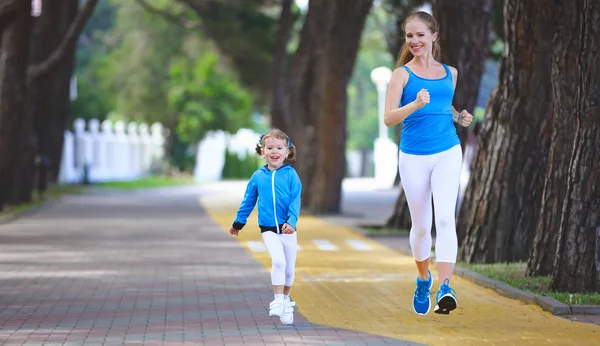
(394, 114)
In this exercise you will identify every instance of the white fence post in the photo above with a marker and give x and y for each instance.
(158, 141)
(106, 150)
(67, 173)
(110, 151)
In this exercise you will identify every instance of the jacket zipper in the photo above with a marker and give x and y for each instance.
(274, 201)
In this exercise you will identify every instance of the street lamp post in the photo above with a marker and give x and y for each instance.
(385, 150)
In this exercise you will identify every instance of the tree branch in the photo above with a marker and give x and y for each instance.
(7, 6)
(36, 71)
(177, 20)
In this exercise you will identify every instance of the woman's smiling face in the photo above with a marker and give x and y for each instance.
(419, 38)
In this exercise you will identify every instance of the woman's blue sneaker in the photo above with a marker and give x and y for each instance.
(446, 299)
(421, 300)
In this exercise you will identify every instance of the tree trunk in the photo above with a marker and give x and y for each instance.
(321, 69)
(280, 71)
(7, 7)
(13, 90)
(36, 71)
(457, 39)
(51, 91)
(492, 107)
(576, 82)
(503, 197)
(541, 260)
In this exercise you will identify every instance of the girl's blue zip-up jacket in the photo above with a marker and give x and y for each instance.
(278, 194)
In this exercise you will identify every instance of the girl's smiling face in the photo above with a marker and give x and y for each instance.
(274, 151)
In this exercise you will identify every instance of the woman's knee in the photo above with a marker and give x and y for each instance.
(278, 264)
(445, 223)
(420, 231)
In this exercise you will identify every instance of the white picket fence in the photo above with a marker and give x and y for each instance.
(210, 153)
(116, 151)
(110, 151)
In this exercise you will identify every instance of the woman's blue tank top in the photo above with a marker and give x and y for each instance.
(429, 130)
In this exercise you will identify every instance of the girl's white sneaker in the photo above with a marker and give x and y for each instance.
(287, 317)
(276, 308)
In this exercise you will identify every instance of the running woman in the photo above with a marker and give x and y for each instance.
(420, 94)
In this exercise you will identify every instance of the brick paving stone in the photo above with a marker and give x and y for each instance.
(136, 268)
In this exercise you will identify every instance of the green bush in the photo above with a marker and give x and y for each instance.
(237, 167)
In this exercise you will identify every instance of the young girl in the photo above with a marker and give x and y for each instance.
(420, 94)
(277, 187)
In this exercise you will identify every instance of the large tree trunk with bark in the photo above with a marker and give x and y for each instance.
(279, 95)
(51, 92)
(321, 69)
(501, 206)
(576, 82)
(14, 47)
(543, 255)
(457, 39)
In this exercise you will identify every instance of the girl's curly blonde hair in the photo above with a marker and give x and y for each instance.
(277, 133)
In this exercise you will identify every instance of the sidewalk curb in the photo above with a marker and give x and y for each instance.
(547, 303)
(8, 218)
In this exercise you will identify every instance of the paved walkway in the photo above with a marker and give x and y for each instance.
(348, 281)
(146, 268)
(158, 268)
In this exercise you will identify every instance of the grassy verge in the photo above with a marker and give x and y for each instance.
(378, 230)
(54, 191)
(147, 182)
(514, 275)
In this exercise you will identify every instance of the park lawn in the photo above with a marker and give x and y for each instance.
(384, 231)
(148, 182)
(514, 275)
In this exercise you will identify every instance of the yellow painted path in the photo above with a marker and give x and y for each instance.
(370, 290)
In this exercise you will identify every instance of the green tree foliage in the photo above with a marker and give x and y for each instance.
(362, 95)
(137, 69)
(206, 98)
(94, 98)
(244, 32)
(136, 65)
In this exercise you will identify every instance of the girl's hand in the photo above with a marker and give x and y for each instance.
(234, 231)
(287, 229)
(465, 118)
(422, 98)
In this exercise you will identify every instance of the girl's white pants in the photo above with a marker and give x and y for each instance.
(424, 176)
(283, 249)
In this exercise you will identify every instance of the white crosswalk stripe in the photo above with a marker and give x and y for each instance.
(320, 244)
(324, 245)
(358, 245)
(256, 246)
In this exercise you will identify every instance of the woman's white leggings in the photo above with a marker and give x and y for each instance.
(423, 176)
(283, 249)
